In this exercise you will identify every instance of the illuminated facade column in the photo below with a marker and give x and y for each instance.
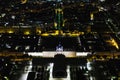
(88, 29)
(91, 16)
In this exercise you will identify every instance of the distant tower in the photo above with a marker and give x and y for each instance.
(58, 22)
